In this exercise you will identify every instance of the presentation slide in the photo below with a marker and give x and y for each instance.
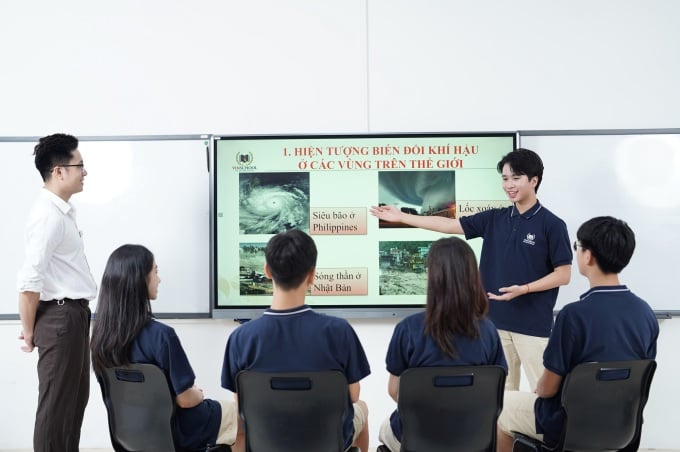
(325, 185)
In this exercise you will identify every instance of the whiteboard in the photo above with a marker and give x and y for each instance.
(151, 190)
(632, 176)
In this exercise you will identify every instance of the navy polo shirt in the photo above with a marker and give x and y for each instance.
(297, 340)
(158, 344)
(609, 323)
(411, 347)
(519, 249)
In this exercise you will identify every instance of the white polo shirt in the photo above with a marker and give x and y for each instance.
(55, 264)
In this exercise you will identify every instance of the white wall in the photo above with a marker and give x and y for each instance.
(209, 66)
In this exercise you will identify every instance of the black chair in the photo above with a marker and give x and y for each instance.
(603, 404)
(294, 411)
(450, 409)
(140, 408)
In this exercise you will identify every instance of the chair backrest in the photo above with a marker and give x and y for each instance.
(293, 411)
(140, 408)
(448, 409)
(603, 402)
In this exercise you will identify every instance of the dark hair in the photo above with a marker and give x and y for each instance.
(123, 306)
(610, 240)
(523, 161)
(53, 150)
(290, 256)
(455, 296)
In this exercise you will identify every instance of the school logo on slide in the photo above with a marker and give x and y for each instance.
(529, 239)
(244, 160)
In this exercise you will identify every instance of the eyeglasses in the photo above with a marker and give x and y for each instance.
(577, 246)
(77, 165)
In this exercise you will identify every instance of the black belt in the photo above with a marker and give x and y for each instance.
(81, 301)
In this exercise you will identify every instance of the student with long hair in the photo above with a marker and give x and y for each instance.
(125, 332)
(452, 331)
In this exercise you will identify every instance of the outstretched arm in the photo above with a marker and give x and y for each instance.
(432, 223)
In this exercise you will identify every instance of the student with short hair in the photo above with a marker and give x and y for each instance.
(608, 323)
(125, 332)
(291, 337)
(55, 287)
(452, 331)
(525, 257)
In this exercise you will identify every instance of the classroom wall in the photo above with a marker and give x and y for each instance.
(304, 66)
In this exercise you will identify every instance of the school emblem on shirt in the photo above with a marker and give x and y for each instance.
(529, 239)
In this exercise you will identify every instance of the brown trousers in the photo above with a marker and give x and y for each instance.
(61, 334)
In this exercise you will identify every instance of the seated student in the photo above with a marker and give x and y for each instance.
(608, 323)
(125, 332)
(453, 330)
(291, 337)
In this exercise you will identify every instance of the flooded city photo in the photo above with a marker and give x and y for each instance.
(402, 267)
(252, 280)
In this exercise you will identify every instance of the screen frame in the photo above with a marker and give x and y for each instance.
(243, 313)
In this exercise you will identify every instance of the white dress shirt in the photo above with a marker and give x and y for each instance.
(55, 264)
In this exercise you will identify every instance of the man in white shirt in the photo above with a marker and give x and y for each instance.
(55, 286)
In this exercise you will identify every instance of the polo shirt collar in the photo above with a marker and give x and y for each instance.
(605, 290)
(62, 205)
(292, 311)
(529, 213)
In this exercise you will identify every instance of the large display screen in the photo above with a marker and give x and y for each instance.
(325, 185)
